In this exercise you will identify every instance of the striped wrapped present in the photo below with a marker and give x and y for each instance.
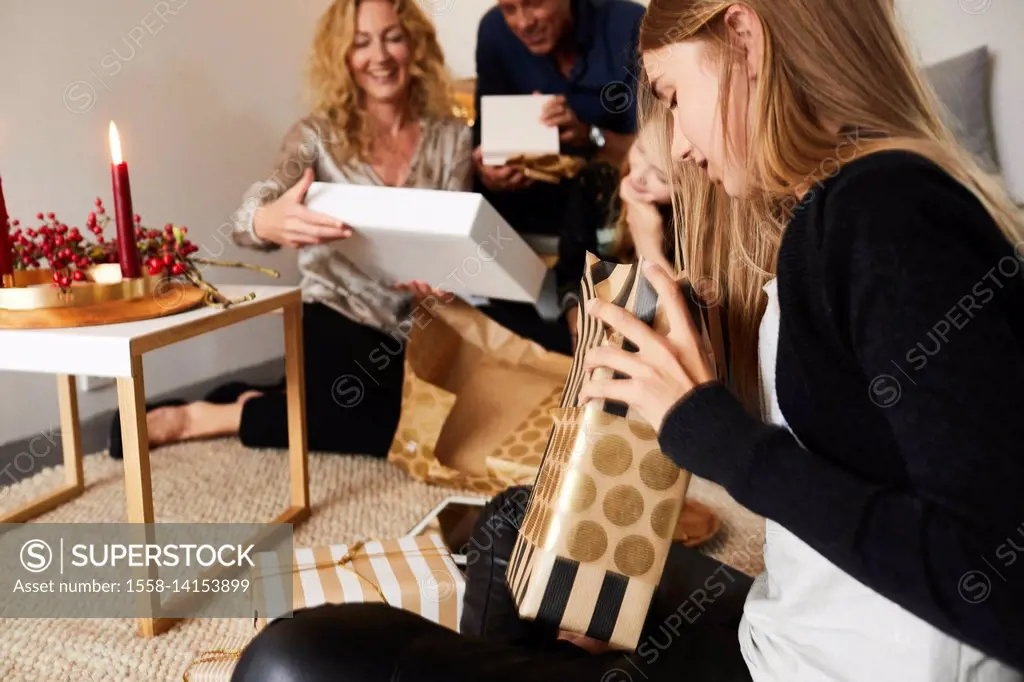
(416, 574)
(600, 519)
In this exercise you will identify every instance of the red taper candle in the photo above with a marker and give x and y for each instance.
(127, 250)
(6, 248)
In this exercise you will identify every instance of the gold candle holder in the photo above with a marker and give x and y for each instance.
(34, 290)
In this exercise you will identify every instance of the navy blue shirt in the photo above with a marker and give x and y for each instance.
(601, 88)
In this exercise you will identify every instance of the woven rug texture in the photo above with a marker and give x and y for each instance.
(352, 498)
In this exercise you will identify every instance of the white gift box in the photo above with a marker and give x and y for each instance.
(511, 126)
(455, 241)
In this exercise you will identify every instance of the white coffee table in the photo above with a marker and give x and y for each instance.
(116, 351)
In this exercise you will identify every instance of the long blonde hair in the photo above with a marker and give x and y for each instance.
(334, 93)
(847, 63)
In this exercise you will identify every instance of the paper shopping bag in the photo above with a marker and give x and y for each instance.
(606, 501)
(475, 409)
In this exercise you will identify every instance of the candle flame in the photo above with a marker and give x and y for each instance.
(115, 144)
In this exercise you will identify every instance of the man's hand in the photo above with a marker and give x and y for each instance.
(288, 222)
(557, 113)
(499, 178)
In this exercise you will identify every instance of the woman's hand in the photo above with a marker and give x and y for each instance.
(663, 370)
(646, 226)
(421, 290)
(642, 214)
(286, 221)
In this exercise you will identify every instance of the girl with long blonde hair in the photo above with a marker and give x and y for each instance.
(871, 274)
(381, 114)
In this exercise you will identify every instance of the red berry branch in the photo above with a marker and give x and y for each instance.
(69, 254)
(65, 249)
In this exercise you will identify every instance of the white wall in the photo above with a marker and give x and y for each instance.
(201, 92)
(456, 22)
(938, 30)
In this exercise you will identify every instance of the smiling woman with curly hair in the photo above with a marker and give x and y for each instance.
(336, 92)
(381, 114)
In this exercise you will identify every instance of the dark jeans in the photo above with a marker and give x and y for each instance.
(690, 632)
(354, 378)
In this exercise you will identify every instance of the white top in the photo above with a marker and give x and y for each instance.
(806, 620)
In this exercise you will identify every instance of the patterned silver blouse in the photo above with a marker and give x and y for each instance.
(442, 160)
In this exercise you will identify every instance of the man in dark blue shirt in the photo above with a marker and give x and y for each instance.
(584, 53)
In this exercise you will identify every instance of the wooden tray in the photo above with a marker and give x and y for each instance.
(169, 299)
(697, 524)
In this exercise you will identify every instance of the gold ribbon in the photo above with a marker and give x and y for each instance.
(212, 656)
(551, 168)
(349, 557)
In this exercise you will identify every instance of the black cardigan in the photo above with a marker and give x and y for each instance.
(900, 369)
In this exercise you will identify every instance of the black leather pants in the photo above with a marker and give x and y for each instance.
(690, 632)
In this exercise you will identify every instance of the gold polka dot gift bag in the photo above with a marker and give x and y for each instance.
(606, 500)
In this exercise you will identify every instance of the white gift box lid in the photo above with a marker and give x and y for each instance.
(510, 125)
(455, 241)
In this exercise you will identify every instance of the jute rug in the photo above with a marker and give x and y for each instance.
(222, 481)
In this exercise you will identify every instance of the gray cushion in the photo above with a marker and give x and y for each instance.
(962, 85)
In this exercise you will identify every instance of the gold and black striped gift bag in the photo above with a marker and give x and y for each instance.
(599, 523)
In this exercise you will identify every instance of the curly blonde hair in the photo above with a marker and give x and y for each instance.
(334, 93)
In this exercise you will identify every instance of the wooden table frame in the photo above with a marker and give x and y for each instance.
(131, 398)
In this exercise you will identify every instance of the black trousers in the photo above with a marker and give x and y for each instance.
(354, 377)
(690, 634)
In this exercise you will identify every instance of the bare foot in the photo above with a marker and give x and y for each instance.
(167, 424)
(196, 420)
